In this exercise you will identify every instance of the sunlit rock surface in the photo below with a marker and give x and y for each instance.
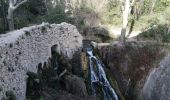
(22, 50)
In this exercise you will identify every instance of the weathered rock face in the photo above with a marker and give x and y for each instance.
(75, 85)
(22, 50)
(130, 65)
(157, 86)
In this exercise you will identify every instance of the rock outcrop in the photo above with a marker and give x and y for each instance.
(75, 85)
(22, 50)
(157, 86)
(131, 65)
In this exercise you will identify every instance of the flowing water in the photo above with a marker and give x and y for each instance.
(98, 76)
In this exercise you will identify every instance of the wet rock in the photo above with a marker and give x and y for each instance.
(75, 85)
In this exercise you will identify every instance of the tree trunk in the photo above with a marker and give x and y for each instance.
(125, 20)
(4, 14)
(12, 7)
(153, 6)
(46, 6)
(131, 27)
(10, 19)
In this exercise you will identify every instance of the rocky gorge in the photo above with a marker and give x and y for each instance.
(140, 69)
(50, 62)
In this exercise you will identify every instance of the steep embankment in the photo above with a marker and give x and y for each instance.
(131, 65)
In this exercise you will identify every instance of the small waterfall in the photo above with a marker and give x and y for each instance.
(99, 77)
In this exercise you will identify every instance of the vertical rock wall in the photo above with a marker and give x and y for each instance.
(22, 50)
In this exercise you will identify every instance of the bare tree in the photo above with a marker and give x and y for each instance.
(3, 11)
(153, 5)
(13, 5)
(126, 11)
(46, 6)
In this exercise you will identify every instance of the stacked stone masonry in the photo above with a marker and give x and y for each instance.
(22, 50)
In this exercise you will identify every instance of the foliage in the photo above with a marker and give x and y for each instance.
(161, 5)
(58, 16)
(146, 6)
(113, 13)
(159, 33)
(33, 85)
(10, 95)
(143, 8)
(3, 21)
(29, 12)
(87, 13)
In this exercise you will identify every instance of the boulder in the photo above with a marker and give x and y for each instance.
(157, 86)
(75, 85)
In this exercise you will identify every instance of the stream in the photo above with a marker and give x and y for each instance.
(98, 76)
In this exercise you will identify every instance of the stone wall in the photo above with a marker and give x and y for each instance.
(22, 50)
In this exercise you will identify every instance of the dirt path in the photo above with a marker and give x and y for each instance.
(116, 32)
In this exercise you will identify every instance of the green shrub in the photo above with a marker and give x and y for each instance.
(10, 95)
(56, 15)
(2, 27)
(1, 89)
(159, 33)
(20, 22)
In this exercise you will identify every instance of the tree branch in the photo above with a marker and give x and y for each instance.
(19, 4)
(63, 73)
(11, 4)
(132, 2)
(15, 2)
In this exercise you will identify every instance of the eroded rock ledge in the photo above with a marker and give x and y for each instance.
(22, 50)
